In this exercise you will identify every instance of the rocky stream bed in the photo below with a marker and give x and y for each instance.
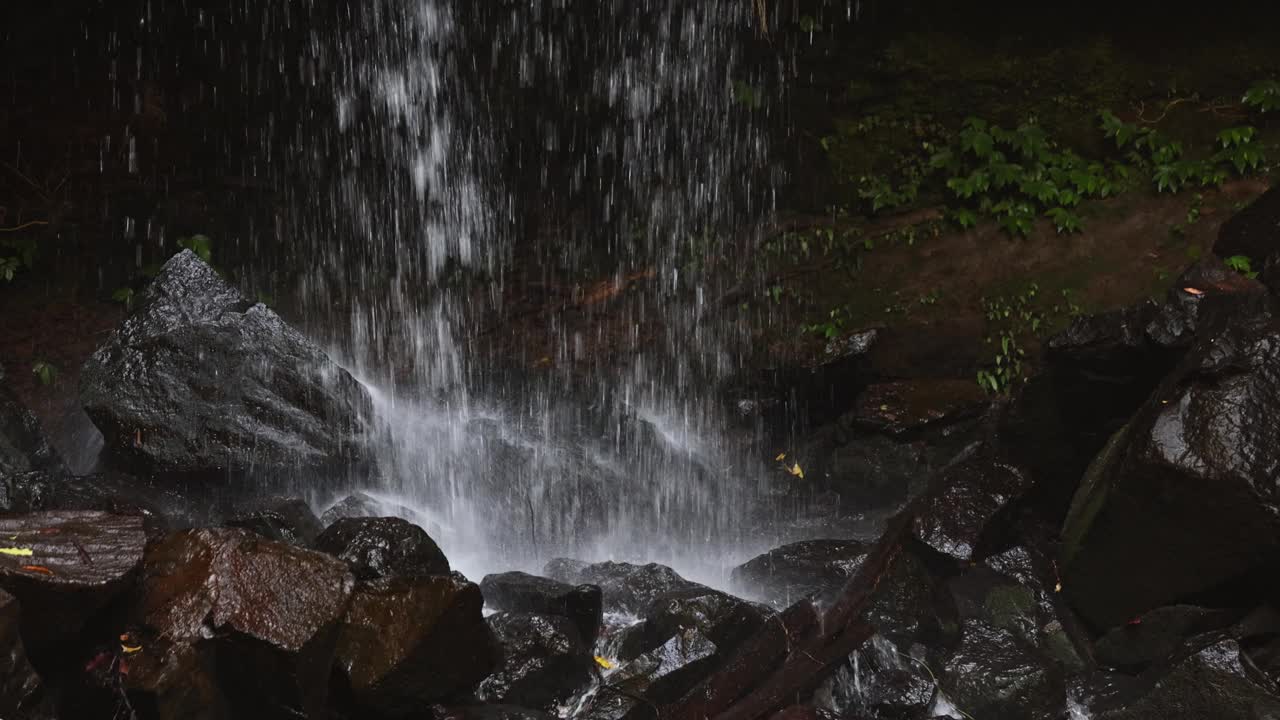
(1103, 543)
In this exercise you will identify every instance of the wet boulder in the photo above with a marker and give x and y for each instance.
(487, 712)
(381, 547)
(269, 612)
(879, 681)
(289, 520)
(958, 516)
(20, 686)
(543, 662)
(23, 445)
(410, 641)
(659, 676)
(522, 592)
(66, 566)
(801, 569)
(160, 506)
(1183, 500)
(1155, 635)
(626, 587)
(1212, 681)
(994, 674)
(198, 379)
(722, 618)
(176, 681)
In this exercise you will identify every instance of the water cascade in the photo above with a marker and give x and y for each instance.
(472, 152)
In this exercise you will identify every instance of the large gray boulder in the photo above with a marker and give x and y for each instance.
(198, 379)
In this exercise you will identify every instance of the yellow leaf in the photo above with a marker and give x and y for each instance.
(16, 551)
(795, 470)
(781, 457)
(130, 649)
(604, 663)
(1057, 587)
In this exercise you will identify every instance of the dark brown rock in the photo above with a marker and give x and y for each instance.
(899, 408)
(544, 661)
(20, 687)
(270, 610)
(410, 641)
(522, 592)
(176, 681)
(65, 567)
(381, 547)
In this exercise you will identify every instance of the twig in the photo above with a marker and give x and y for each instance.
(1142, 107)
(24, 226)
(40, 189)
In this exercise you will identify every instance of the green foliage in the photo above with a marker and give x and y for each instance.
(1007, 371)
(198, 244)
(45, 371)
(1263, 96)
(1243, 265)
(19, 252)
(1012, 320)
(124, 296)
(1165, 159)
(830, 328)
(1016, 176)
(9, 267)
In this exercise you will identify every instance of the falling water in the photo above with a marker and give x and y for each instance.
(469, 152)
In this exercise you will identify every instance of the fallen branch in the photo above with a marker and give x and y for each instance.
(24, 226)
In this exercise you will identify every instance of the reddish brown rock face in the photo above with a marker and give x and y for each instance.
(66, 566)
(268, 611)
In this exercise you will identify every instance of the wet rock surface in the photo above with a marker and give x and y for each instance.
(269, 611)
(20, 686)
(1180, 501)
(1214, 681)
(625, 587)
(199, 379)
(286, 519)
(23, 445)
(543, 661)
(583, 605)
(382, 547)
(660, 675)
(798, 570)
(410, 641)
(720, 617)
(64, 567)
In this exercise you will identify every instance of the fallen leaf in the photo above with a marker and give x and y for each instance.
(16, 551)
(1057, 587)
(781, 457)
(37, 569)
(1192, 291)
(795, 470)
(604, 663)
(131, 649)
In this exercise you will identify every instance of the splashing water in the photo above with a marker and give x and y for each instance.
(469, 144)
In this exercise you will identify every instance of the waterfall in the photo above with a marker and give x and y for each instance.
(608, 149)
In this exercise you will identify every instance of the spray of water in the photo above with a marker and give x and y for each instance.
(571, 139)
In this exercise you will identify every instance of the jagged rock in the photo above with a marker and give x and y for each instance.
(161, 508)
(1214, 681)
(801, 569)
(898, 408)
(879, 681)
(176, 681)
(410, 641)
(269, 610)
(993, 674)
(200, 380)
(20, 686)
(65, 567)
(286, 519)
(544, 661)
(1184, 500)
(355, 505)
(625, 587)
(23, 445)
(381, 547)
(956, 515)
(660, 675)
(804, 712)
(1254, 231)
(522, 592)
(1155, 635)
(721, 617)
